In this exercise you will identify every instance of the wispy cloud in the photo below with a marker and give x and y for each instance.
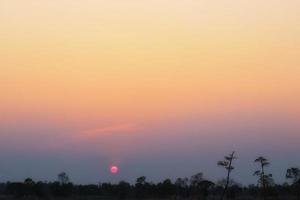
(112, 129)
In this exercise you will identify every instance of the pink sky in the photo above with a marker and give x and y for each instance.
(138, 82)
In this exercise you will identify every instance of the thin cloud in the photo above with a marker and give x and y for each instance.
(113, 129)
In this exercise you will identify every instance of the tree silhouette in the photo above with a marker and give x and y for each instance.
(233, 187)
(140, 187)
(204, 187)
(264, 179)
(181, 185)
(294, 174)
(200, 186)
(141, 180)
(227, 164)
(167, 188)
(64, 187)
(29, 186)
(123, 189)
(195, 182)
(182, 182)
(196, 179)
(63, 178)
(29, 181)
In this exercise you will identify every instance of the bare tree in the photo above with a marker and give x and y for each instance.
(264, 179)
(227, 164)
(294, 174)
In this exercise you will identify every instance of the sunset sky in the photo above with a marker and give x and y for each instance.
(161, 88)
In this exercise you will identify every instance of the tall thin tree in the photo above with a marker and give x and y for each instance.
(227, 164)
(264, 179)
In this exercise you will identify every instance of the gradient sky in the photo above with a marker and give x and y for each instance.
(161, 88)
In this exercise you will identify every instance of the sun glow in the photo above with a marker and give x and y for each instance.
(114, 169)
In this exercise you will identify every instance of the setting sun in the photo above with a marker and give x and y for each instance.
(114, 169)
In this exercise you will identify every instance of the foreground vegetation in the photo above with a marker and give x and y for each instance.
(180, 189)
(195, 187)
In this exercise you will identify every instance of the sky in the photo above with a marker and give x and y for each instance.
(161, 88)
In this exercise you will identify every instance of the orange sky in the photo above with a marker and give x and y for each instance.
(118, 65)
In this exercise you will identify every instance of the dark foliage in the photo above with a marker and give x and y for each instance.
(194, 188)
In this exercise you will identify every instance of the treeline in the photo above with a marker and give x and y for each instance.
(195, 187)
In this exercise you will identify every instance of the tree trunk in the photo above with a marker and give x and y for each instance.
(228, 177)
(263, 181)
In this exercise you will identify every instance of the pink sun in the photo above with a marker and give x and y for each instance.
(114, 169)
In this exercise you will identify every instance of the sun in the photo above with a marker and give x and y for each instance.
(114, 169)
